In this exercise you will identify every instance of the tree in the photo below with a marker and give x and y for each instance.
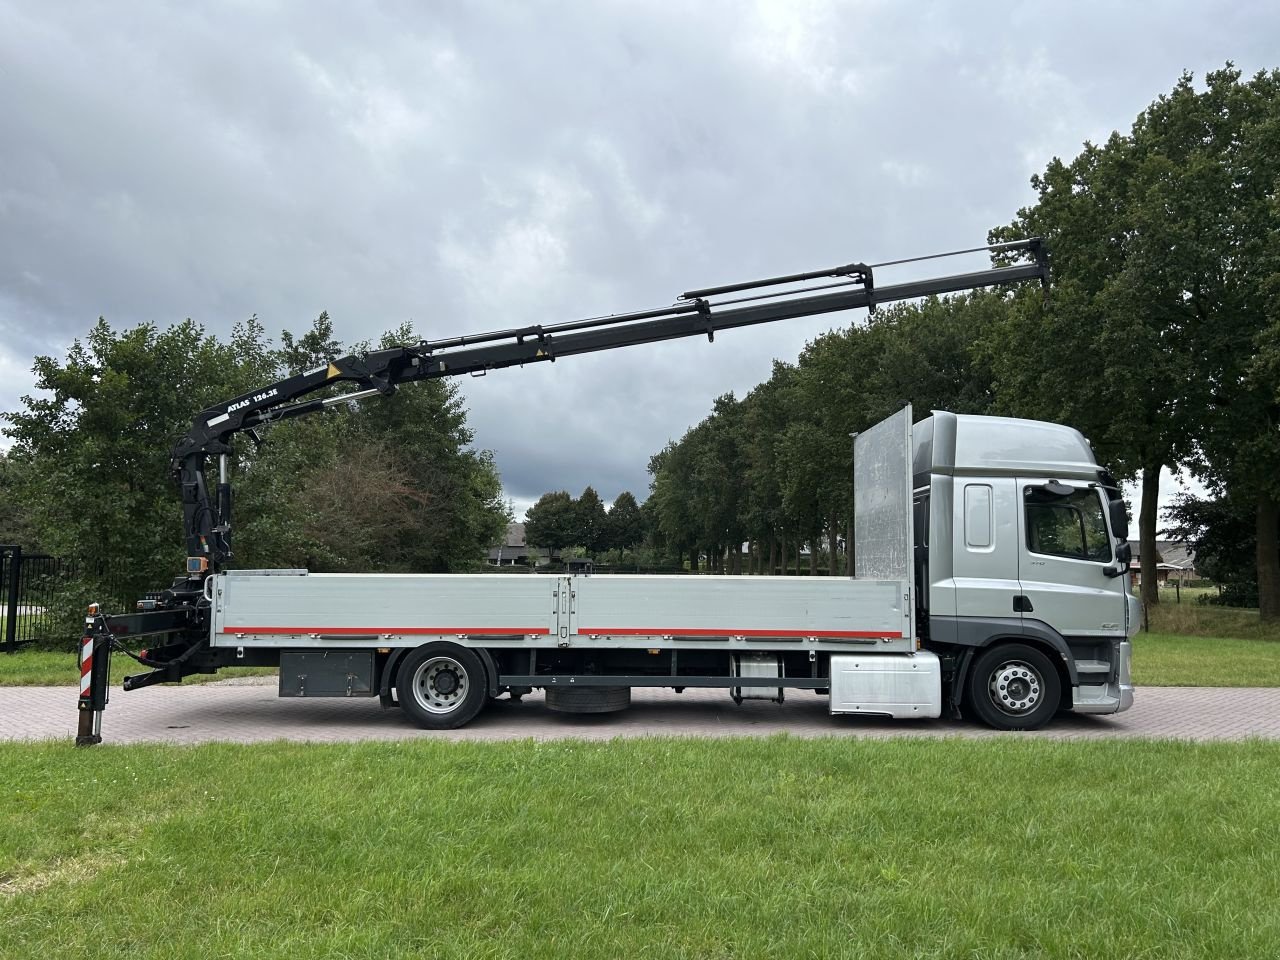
(1222, 534)
(1107, 352)
(717, 473)
(1165, 259)
(672, 472)
(392, 486)
(95, 446)
(589, 520)
(923, 354)
(15, 523)
(1160, 341)
(427, 501)
(625, 524)
(313, 349)
(1222, 169)
(803, 448)
(767, 410)
(550, 523)
(928, 354)
(345, 508)
(460, 511)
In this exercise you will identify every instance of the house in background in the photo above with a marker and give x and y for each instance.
(1174, 559)
(514, 551)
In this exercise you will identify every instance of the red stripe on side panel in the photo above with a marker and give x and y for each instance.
(732, 632)
(367, 631)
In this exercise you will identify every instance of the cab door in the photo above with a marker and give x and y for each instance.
(1065, 546)
(985, 534)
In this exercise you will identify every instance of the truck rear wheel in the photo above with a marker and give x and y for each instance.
(1014, 687)
(441, 686)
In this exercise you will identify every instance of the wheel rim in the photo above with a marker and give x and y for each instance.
(1016, 688)
(440, 685)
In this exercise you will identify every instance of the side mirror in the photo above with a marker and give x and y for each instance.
(1119, 520)
(1123, 555)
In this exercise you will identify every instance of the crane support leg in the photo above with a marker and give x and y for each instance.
(95, 667)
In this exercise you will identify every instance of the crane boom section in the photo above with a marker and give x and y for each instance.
(207, 521)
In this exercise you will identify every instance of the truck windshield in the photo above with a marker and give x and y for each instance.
(1068, 526)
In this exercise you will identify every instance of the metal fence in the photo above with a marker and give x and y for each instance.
(39, 595)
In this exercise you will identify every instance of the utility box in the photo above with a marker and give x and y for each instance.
(894, 686)
(326, 673)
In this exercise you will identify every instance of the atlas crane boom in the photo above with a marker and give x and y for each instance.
(207, 520)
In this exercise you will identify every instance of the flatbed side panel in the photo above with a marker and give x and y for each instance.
(622, 610)
(353, 610)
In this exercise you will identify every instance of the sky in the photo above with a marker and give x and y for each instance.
(476, 166)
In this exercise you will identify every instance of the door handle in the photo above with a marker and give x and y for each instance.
(1022, 604)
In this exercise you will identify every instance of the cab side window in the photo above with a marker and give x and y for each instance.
(1072, 526)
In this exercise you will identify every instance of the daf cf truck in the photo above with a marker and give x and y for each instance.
(990, 574)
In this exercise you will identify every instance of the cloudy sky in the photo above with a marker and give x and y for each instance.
(483, 165)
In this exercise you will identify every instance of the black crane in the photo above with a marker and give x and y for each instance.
(207, 520)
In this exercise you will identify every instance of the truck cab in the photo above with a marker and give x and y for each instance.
(1021, 564)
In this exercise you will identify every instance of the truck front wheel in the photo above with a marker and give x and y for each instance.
(441, 685)
(1014, 687)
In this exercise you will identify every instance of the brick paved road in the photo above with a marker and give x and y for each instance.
(247, 711)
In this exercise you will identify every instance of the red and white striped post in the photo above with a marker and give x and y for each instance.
(95, 660)
(86, 665)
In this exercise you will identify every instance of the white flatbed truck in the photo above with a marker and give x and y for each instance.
(990, 571)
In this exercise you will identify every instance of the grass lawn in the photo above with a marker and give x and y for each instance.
(46, 668)
(1169, 660)
(1195, 645)
(660, 848)
(1205, 620)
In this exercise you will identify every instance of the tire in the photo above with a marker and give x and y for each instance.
(1013, 686)
(441, 686)
(588, 699)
